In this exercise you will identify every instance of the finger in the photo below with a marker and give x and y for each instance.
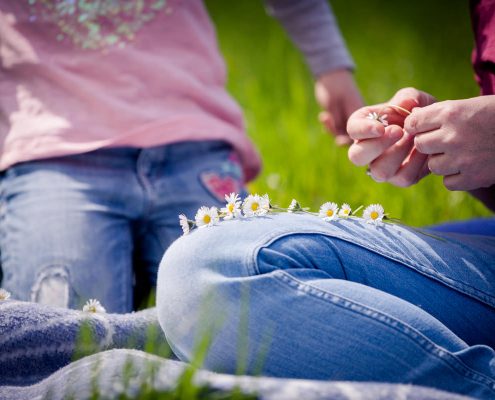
(424, 170)
(343, 140)
(410, 97)
(360, 127)
(424, 119)
(432, 142)
(410, 171)
(398, 110)
(365, 151)
(456, 182)
(387, 165)
(402, 104)
(440, 164)
(340, 118)
(326, 119)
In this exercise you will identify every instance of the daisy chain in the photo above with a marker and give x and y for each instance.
(4, 294)
(233, 207)
(374, 214)
(329, 211)
(255, 205)
(345, 211)
(206, 217)
(93, 306)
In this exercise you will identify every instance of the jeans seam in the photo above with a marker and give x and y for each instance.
(449, 282)
(422, 341)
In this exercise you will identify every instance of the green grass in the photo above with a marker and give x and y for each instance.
(422, 44)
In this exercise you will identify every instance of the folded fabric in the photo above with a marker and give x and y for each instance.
(36, 340)
(116, 372)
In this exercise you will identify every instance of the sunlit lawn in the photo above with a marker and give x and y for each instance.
(423, 44)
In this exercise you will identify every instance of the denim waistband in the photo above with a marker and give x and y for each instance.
(126, 156)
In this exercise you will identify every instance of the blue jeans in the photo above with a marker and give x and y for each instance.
(96, 225)
(290, 295)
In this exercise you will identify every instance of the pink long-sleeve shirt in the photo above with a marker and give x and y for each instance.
(64, 92)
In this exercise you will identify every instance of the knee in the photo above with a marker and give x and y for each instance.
(186, 272)
(52, 286)
(195, 278)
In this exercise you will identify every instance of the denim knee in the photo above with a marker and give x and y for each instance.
(193, 269)
(52, 287)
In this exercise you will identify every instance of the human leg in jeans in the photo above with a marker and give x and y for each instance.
(294, 296)
(80, 227)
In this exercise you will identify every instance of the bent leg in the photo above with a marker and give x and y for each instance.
(280, 295)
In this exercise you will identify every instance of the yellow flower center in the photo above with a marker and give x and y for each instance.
(230, 207)
(92, 309)
(346, 212)
(255, 206)
(206, 219)
(329, 213)
(374, 215)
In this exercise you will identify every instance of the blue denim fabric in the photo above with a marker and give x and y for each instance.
(93, 225)
(293, 296)
(476, 226)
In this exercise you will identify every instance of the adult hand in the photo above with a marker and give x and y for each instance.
(459, 138)
(389, 150)
(338, 95)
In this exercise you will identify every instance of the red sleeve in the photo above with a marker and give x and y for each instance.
(483, 57)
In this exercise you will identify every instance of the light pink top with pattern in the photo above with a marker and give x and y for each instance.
(164, 83)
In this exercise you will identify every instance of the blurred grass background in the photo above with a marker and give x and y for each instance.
(423, 44)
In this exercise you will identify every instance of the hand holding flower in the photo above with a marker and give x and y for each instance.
(387, 148)
(458, 136)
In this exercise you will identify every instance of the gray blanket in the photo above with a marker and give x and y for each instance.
(37, 345)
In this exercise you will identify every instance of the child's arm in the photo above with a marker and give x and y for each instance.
(313, 28)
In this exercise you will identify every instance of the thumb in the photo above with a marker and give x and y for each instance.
(403, 102)
(408, 98)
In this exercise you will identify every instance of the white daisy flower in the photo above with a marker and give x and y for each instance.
(294, 206)
(233, 207)
(4, 294)
(373, 214)
(94, 306)
(345, 210)
(377, 117)
(206, 216)
(328, 211)
(255, 205)
(185, 224)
